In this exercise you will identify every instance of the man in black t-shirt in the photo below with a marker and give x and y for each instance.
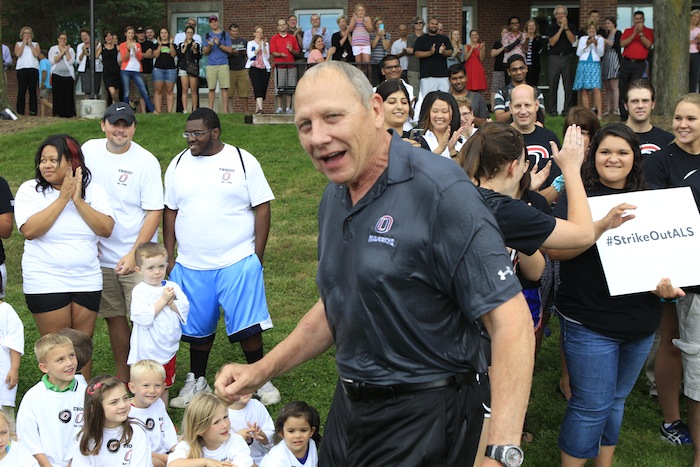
(562, 59)
(524, 106)
(148, 45)
(237, 70)
(639, 102)
(432, 49)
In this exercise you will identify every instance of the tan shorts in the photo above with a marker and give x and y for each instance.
(688, 309)
(239, 82)
(116, 293)
(220, 73)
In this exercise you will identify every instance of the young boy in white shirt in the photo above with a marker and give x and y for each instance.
(250, 419)
(147, 384)
(158, 307)
(51, 412)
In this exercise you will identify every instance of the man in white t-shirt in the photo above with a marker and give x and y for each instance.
(398, 48)
(217, 210)
(132, 177)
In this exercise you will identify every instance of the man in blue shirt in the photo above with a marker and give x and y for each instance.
(217, 46)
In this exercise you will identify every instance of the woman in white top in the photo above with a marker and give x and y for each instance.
(62, 58)
(591, 48)
(439, 117)
(27, 53)
(84, 52)
(258, 65)
(61, 214)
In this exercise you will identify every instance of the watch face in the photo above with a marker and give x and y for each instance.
(513, 457)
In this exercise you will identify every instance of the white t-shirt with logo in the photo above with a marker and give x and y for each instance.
(64, 259)
(234, 450)
(136, 453)
(133, 182)
(214, 197)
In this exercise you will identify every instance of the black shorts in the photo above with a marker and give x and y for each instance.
(440, 427)
(44, 302)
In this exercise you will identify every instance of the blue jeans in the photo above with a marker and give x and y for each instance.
(136, 77)
(603, 371)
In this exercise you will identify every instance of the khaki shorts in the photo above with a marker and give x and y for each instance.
(116, 293)
(688, 309)
(239, 82)
(220, 73)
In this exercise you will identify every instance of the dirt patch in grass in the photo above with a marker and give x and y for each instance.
(26, 123)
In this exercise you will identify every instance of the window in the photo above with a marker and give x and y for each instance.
(329, 18)
(625, 15)
(180, 19)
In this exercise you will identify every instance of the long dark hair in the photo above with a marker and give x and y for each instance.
(490, 149)
(68, 148)
(94, 417)
(430, 98)
(635, 179)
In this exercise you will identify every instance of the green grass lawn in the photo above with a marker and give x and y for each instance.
(290, 265)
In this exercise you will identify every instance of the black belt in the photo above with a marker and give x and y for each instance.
(357, 391)
(632, 60)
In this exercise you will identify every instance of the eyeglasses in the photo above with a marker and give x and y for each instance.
(466, 114)
(392, 67)
(195, 134)
(418, 22)
(515, 22)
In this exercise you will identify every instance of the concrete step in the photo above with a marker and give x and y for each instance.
(269, 119)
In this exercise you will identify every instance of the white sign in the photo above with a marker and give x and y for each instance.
(663, 240)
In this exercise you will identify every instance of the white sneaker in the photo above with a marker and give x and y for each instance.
(268, 394)
(289, 111)
(279, 110)
(188, 391)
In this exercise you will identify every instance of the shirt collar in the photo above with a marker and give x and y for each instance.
(52, 387)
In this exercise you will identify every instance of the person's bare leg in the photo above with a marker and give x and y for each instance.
(244, 104)
(224, 99)
(585, 100)
(84, 320)
(142, 104)
(668, 366)
(615, 91)
(605, 456)
(119, 335)
(568, 461)
(598, 99)
(169, 96)
(165, 397)
(212, 96)
(53, 321)
(194, 89)
(158, 85)
(184, 84)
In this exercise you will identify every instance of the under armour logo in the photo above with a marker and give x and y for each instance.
(503, 274)
(119, 109)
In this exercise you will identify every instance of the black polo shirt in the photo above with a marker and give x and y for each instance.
(562, 46)
(405, 273)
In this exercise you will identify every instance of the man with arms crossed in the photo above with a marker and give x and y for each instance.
(388, 202)
(131, 176)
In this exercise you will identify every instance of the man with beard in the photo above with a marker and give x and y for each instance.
(217, 210)
(432, 49)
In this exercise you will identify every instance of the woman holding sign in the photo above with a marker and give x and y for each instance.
(605, 339)
(678, 165)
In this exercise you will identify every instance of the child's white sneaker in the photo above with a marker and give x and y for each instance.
(268, 394)
(188, 391)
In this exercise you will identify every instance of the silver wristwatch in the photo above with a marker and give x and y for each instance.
(509, 456)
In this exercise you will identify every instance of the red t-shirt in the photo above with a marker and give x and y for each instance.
(636, 50)
(279, 44)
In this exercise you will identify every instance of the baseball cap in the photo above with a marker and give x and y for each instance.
(139, 30)
(119, 111)
(213, 18)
